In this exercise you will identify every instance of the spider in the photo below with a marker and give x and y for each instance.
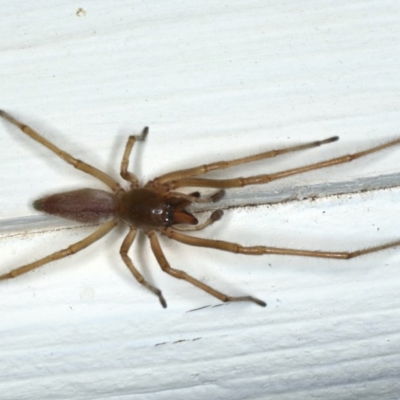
(159, 208)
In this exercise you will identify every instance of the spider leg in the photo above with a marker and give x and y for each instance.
(259, 250)
(176, 273)
(266, 178)
(128, 176)
(72, 249)
(215, 216)
(78, 164)
(127, 243)
(196, 198)
(190, 172)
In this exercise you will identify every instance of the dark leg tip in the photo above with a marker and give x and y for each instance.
(261, 303)
(162, 301)
(333, 139)
(144, 133)
(258, 301)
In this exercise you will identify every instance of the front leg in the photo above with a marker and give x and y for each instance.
(128, 176)
(260, 250)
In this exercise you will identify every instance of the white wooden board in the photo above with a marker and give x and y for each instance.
(213, 80)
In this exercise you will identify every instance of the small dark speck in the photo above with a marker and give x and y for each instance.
(80, 12)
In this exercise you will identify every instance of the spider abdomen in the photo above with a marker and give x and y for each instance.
(84, 205)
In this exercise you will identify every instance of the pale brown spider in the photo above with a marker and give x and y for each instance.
(159, 208)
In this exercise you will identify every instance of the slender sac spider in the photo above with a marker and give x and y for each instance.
(159, 208)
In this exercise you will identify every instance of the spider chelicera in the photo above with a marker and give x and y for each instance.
(160, 208)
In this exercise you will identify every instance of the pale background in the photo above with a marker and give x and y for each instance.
(212, 80)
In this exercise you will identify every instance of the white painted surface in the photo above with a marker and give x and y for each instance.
(212, 80)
